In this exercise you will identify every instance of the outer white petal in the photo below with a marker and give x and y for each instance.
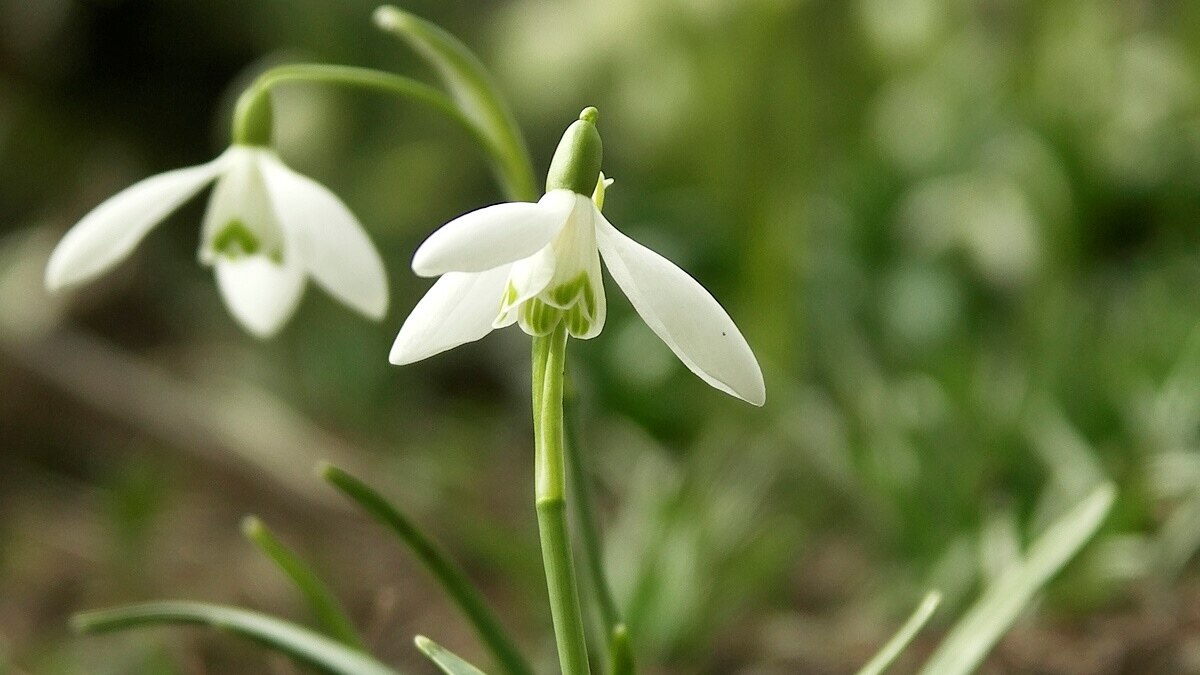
(260, 293)
(331, 243)
(458, 309)
(683, 314)
(493, 236)
(109, 233)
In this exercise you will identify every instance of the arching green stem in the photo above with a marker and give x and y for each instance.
(252, 115)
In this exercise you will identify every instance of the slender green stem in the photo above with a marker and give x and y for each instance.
(549, 353)
(440, 565)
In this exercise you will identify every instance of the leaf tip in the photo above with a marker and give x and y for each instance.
(252, 526)
(325, 470)
(390, 18)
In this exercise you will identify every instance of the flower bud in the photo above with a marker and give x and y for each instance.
(576, 163)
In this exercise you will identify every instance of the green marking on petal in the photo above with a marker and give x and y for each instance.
(578, 320)
(539, 318)
(236, 240)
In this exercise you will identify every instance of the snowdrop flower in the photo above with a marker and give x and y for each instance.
(538, 264)
(267, 229)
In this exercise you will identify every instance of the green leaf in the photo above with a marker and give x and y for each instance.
(451, 577)
(446, 661)
(473, 91)
(324, 604)
(984, 624)
(620, 656)
(301, 644)
(884, 658)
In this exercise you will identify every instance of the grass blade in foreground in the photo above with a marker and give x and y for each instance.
(299, 643)
(324, 605)
(447, 661)
(452, 579)
(977, 632)
(473, 91)
(884, 658)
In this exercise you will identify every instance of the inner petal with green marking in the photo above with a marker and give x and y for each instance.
(562, 282)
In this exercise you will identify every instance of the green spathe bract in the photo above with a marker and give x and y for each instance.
(576, 163)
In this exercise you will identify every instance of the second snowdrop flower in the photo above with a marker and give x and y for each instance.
(538, 265)
(267, 230)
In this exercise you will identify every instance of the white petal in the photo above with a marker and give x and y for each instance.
(458, 309)
(332, 245)
(493, 236)
(110, 232)
(683, 314)
(260, 293)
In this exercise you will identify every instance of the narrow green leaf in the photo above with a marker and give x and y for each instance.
(451, 577)
(446, 661)
(987, 621)
(620, 656)
(473, 90)
(324, 604)
(301, 644)
(884, 658)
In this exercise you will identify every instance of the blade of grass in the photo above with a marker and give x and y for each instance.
(447, 573)
(447, 661)
(324, 604)
(986, 622)
(886, 656)
(301, 644)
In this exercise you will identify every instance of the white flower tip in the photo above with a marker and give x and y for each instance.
(400, 355)
(749, 388)
(378, 309)
(258, 330)
(56, 279)
(756, 396)
(425, 264)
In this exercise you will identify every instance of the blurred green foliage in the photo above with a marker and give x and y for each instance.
(960, 234)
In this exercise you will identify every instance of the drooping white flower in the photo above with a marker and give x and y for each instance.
(538, 264)
(267, 230)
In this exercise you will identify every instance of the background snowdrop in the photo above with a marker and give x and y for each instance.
(266, 231)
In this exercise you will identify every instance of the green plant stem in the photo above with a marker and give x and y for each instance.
(255, 100)
(440, 565)
(549, 353)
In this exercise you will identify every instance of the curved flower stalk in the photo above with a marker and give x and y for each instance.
(538, 265)
(267, 230)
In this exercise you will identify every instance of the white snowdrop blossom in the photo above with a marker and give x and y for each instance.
(267, 229)
(538, 264)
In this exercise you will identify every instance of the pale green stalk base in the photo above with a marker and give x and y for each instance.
(549, 354)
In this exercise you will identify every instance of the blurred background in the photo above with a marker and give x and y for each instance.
(961, 236)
